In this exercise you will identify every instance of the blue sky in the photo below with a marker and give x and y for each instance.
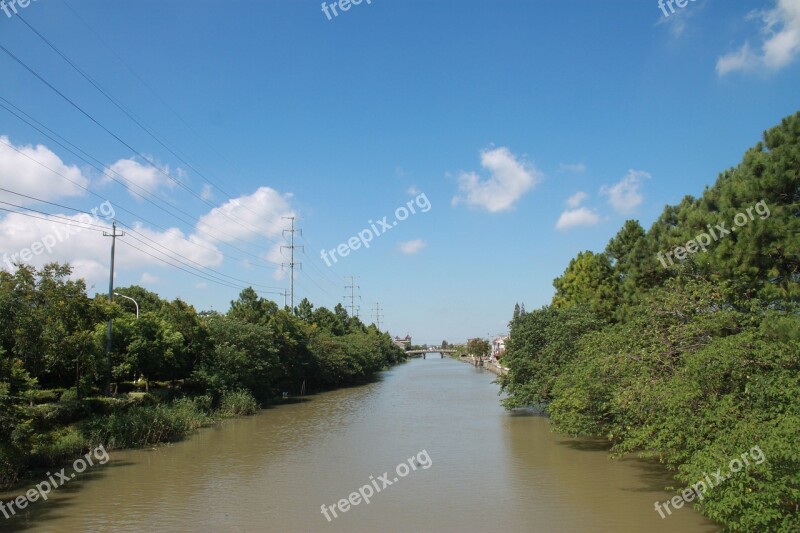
(534, 129)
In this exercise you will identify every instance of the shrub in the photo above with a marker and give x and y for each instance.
(69, 395)
(60, 446)
(238, 403)
(48, 396)
(146, 425)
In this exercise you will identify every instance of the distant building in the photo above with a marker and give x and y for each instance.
(404, 342)
(499, 346)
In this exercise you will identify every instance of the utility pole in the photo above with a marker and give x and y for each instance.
(113, 236)
(378, 315)
(352, 296)
(292, 264)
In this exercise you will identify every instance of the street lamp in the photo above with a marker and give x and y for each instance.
(131, 299)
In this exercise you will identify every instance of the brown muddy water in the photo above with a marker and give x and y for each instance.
(474, 467)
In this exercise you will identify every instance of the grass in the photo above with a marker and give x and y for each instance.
(238, 403)
(146, 425)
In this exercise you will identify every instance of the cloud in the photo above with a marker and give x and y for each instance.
(510, 179)
(412, 247)
(32, 171)
(139, 176)
(248, 217)
(744, 59)
(87, 250)
(149, 279)
(577, 168)
(38, 241)
(202, 285)
(624, 196)
(46, 239)
(413, 191)
(206, 193)
(576, 199)
(780, 41)
(581, 216)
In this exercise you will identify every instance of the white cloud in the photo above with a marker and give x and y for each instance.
(413, 191)
(149, 279)
(31, 170)
(744, 59)
(202, 285)
(206, 193)
(248, 217)
(412, 247)
(781, 41)
(581, 216)
(139, 176)
(577, 168)
(510, 179)
(37, 241)
(624, 196)
(174, 243)
(576, 199)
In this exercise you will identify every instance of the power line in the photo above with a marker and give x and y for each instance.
(69, 222)
(167, 211)
(321, 272)
(157, 95)
(138, 121)
(125, 143)
(105, 171)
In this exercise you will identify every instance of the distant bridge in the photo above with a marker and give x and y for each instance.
(423, 353)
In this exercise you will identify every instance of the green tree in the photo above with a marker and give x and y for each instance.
(589, 280)
(252, 308)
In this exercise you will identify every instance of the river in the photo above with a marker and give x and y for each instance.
(474, 467)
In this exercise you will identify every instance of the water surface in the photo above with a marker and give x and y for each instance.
(490, 470)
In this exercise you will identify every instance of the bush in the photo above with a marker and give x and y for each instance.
(60, 446)
(238, 403)
(69, 395)
(146, 425)
(51, 415)
(48, 396)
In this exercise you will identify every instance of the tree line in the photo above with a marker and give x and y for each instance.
(692, 360)
(171, 367)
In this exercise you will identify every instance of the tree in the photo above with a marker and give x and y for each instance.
(252, 308)
(588, 280)
(305, 311)
(478, 347)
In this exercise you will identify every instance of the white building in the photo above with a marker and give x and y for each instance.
(499, 346)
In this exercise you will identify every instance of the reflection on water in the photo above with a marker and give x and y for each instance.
(491, 470)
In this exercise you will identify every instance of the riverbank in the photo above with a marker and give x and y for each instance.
(491, 366)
